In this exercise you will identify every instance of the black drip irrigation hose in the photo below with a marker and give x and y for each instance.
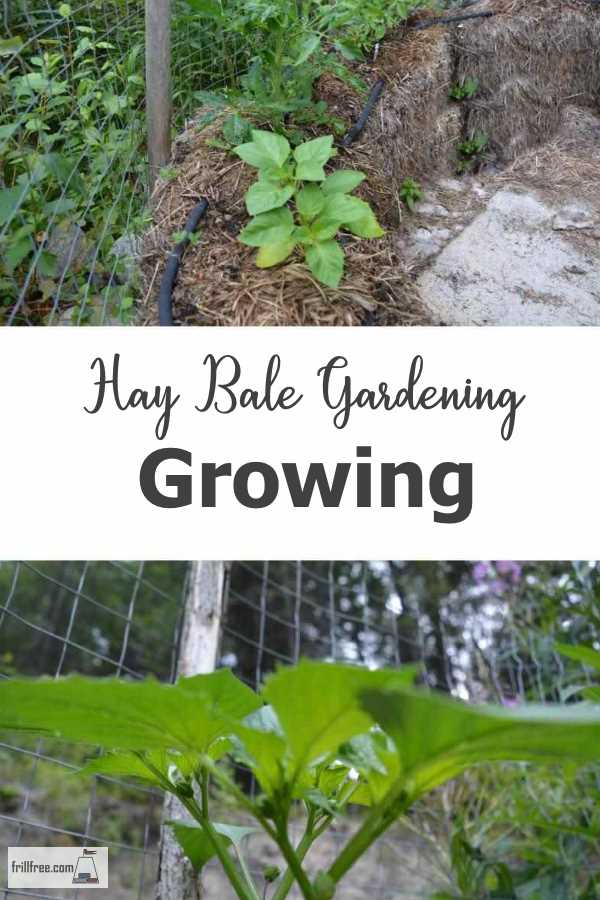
(358, 128)
(169, 279)
(429, 23)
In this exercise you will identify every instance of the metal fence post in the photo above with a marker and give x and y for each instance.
(158, 84)
(197, 655)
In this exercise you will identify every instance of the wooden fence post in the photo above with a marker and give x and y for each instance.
(158, 84)
(198, 651)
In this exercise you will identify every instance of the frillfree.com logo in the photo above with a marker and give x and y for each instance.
(57, 867)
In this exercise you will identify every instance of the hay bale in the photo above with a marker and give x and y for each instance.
(219, 283)
(414, 131)
(530, 61)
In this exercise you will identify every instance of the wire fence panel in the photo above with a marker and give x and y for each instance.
(97, 619)
(74, 174)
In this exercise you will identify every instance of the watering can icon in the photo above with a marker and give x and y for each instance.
(85, 870)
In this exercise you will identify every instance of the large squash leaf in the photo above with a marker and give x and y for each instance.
(118, 714)
(318, 705)
(437, 738)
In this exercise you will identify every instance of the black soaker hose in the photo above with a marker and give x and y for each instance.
(429, 23)
(357, 129)
(169, 279)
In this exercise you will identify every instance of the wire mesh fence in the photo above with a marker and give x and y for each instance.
(479, 631)
(95, 618)
(74, 173)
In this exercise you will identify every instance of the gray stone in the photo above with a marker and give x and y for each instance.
(455, 185)
(68, 244)
(432, 209)
(128, 249)
(425, 242)
(574, 218)
(511, 267)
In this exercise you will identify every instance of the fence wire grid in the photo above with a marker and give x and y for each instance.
(459, 621)
(73, 150)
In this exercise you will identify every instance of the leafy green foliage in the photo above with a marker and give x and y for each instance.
(465, 89)
(290, 44)
(589, 658)
(329, 735)
(197, 846)
(530, 833)
(66, 119)
(323, 205)
(410, 193)
(470, 151)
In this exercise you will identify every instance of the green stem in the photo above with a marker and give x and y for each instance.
(287, 882)
(246, 872)
(243, 890)
(293, 861)
(229, 785)
(376, 823)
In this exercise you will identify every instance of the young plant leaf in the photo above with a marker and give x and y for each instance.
(263, 196)
(310, 201)
(311, 158)
(326, 261)
(263, 753)
(265, 150)
(316, 721)
(343, 181)
(274, 227)
(127, 765)
(437, 738)
(324, 228)
(271, 254)
(368, 227)
(197, 845)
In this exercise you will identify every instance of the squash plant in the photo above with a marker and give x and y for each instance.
(322, 204)
(319, 736)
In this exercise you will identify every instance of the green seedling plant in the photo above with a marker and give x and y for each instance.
(294, 204)
(410, 193)
(318, 739)
(470, 151)
(465, 89)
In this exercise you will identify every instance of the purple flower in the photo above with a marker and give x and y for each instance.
(509, 569)
(481, 571)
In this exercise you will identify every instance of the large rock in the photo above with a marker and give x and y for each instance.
(523, 261)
